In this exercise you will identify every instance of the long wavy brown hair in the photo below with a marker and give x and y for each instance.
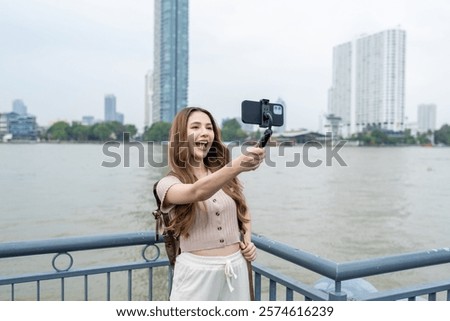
(181, 162)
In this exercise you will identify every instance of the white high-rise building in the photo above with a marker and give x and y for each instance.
(426, 118)
(368, 87)
(340, 94)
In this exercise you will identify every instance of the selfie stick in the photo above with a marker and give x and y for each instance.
(266, 121)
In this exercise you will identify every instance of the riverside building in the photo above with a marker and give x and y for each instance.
(171, 56)
(368, 82)
(426, 118)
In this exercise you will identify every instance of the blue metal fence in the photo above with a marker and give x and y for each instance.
(143, 274)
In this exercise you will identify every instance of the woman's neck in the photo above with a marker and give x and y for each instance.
(200, 171)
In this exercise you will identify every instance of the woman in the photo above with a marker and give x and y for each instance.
(208, 210)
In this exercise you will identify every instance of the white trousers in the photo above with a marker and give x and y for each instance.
(210, 278)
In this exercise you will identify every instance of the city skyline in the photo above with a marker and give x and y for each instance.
(74, 52)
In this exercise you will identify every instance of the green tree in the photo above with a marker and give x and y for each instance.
(423, 139)
(158, 132)
(409, 139)
(442, 135)
(379, 137)
(117, 129)
(59, 131)
(231, 130)
(79, 132)
(130, 129)
(97, 132)
(101, 131)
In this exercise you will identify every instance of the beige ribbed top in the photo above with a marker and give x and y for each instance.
(215, 225)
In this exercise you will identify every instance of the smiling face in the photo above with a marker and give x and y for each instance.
(200, 133)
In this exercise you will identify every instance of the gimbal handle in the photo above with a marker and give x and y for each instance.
(268, 132)
(265, 138)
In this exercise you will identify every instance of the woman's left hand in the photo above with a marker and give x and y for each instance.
(248, 251)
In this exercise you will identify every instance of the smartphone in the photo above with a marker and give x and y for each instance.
(252, 112)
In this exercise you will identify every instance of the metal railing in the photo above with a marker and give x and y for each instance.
(339, 272)
(143, 274)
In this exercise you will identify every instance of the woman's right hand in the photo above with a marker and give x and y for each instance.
(250, 159)
(208, 185)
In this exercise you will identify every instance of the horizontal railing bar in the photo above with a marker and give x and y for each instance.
(83, 272)
(307, 260)
(291, 283)
(354, 269)
(58, 245)
(407, 292)
(395, 263)
(336, 271)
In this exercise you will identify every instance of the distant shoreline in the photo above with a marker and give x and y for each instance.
(25, 142)
(67, 142)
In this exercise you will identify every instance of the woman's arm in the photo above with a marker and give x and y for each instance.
(207, 186)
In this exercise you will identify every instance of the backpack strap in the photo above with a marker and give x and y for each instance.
(172, 244)
(157, 213)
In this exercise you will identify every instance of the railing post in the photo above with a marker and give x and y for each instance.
(289, 294)
(150, 284)
(257, 286)
(272, 290)
(337, 294)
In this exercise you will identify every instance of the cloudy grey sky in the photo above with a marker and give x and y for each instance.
(62, 57)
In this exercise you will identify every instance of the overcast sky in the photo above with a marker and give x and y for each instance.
(62, 56)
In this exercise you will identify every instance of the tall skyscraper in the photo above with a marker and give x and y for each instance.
(110, 108)
(19, 107)
(171, 57)
(426, 118)
(111, 113)
(369, 82)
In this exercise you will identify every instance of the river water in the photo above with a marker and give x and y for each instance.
(365, 203)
